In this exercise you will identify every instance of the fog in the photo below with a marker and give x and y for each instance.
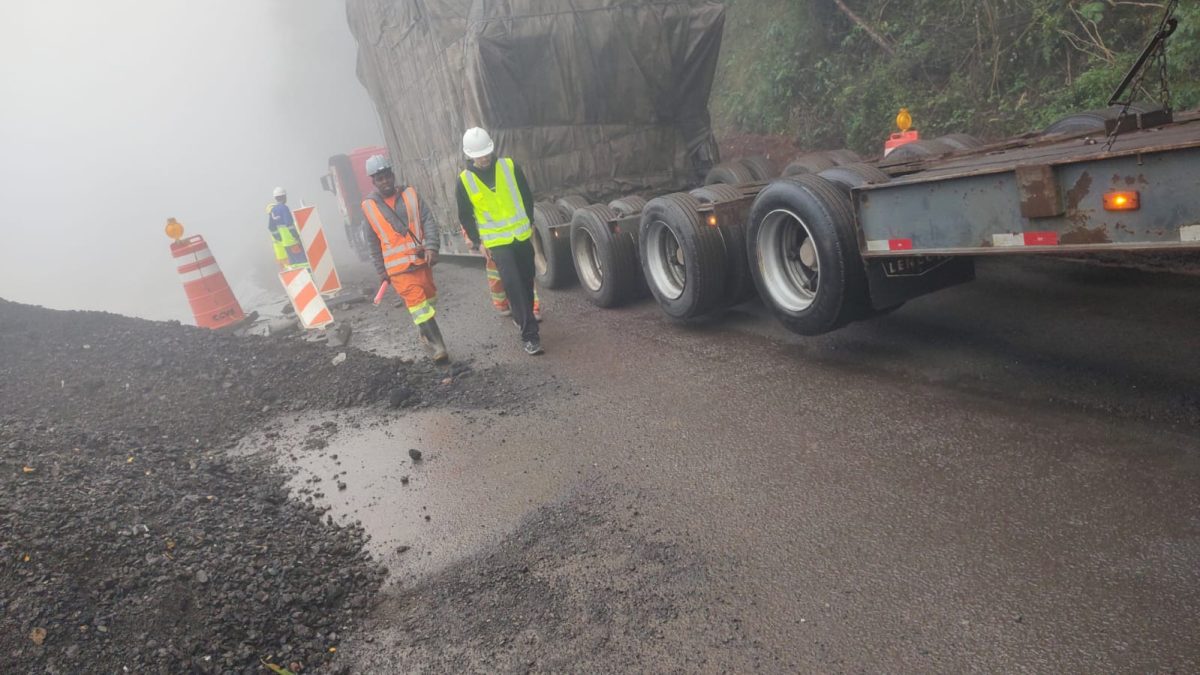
(116, 115)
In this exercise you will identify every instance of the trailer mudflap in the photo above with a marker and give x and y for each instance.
(893, 281)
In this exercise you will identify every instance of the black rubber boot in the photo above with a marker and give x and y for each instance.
(431, 336)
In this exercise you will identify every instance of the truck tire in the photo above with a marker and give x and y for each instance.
(916, 150)
(683, 260)
(355, 221)
(1092, 121)
(729, 173)
(843, 156)
(739, 285)
(960, 141)
(850, 176)
(628, 206)
(813, 162)
(804, 255)
(761, 168)
(551, 246)
(606, 261)
(570, 204)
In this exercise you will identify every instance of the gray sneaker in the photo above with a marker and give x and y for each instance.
(533, 348)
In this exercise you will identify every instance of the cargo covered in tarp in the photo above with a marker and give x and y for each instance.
(592, 97)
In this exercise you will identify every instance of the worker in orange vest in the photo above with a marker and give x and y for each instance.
(496, 287)
(405, 249)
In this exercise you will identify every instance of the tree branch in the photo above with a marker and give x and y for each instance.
(879, 39)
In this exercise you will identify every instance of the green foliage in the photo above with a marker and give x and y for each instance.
(988, 67)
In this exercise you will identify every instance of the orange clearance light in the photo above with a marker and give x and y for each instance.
(1121, 201)
(712, 220)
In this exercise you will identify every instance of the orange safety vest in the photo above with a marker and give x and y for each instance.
(403, 244)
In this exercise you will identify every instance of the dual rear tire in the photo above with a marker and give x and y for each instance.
(803, 255)
(552, 246)
(605, 256)
(683, 259)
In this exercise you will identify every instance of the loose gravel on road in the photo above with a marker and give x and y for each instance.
(130, 539)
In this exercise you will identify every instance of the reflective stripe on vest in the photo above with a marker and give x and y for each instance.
(401, 250)
(500, 212)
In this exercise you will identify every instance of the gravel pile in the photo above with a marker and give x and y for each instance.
(129, 539)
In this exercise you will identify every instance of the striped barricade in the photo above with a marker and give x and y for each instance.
(213, 303)
(312, 235)
(307, 302)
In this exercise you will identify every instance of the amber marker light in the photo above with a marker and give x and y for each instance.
(1121, 201)
(712, 220)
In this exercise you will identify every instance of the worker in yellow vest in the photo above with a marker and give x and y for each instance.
(403, 237)
(289, 253)
(494, 203)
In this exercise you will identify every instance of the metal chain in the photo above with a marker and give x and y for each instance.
(1164, 82)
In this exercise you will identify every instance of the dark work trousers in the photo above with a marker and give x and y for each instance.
(515, 264)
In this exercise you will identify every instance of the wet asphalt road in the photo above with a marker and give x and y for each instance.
(999, 477)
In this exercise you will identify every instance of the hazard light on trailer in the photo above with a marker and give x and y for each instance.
(1122, 201)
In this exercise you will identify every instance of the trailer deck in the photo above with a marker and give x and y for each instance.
(1040, 195)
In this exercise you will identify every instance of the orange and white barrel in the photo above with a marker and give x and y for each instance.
(213, 303)
(312, 235)
(306, 300)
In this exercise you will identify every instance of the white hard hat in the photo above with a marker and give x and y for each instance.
(279, 192)
(377, 163)
(477, 143)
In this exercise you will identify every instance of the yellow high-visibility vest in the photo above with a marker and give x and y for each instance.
(499, 212)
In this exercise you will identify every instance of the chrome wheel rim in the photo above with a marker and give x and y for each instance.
(788, 260)
(665, 260)
(539, 253)
(587, 261)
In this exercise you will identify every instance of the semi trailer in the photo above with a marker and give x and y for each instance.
(606, 101)
(857, 239)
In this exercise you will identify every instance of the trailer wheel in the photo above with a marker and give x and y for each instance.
(813, 162)
(916, 150)
(683, 259)
(843, 156)
(761, 168)
(570, 204)
(1091, 120)
(729, 173)
(551, 246)
(605, 260)
(628, 206)
(850, 176)
(739, 284)
(960, 141)
(804, 255)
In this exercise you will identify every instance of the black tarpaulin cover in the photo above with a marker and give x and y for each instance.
(592, 97)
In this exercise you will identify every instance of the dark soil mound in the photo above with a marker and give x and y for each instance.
(128, 539)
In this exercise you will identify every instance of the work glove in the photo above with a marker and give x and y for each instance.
(432, 256)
